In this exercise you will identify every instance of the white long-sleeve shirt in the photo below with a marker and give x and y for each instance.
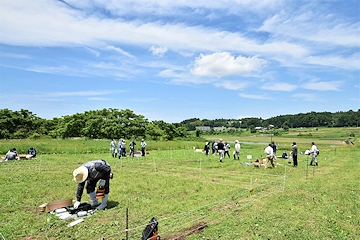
(314, 150)
(237, 147)
(143, 144)
(269, 150)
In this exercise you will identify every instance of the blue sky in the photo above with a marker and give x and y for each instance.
(174, 60)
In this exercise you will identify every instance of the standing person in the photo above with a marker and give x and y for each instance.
(314, 152)
(269, 156)
(132, 147)
(227, 149)
(220, 148)
(237, 150)
(113, 148)
(119, 147)
(207, 148)
(274, 150)
(91, 172)
(213, 147)
(123, 147)
(294, 154)
(143, 145)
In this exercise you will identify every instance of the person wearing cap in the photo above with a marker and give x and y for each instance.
(132, 147)
(294, 154)
(123, 148)
(227, 149)
(143, 145)
(32, 152)
(119, 147)
(269, 156)
(113, 148)
(237, 150)
(90, 173)
(220, 148)
(11, 155)
(313, 151)
(273, 145)
(207, 148)
(213, 147)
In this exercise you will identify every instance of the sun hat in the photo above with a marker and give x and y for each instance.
(80, 174)
(236, 141)
(220, 139)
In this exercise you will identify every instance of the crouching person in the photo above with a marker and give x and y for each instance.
(91, 172)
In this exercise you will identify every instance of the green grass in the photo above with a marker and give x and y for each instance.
(322, 205)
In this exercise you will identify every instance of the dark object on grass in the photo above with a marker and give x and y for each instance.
(151, 231)
(82, 207)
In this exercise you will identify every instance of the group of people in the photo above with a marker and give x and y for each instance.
(121, 148)
(271, 154)
(222, 149)
(12, 154)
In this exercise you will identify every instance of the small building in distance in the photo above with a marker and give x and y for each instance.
(203, 128)
(220, 128)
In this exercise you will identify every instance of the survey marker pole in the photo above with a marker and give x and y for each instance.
(284, 179)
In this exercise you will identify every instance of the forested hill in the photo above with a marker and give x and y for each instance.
(99, 124)
(312, 119)
(114, 123)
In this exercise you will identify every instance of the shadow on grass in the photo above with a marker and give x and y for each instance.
(112, 204)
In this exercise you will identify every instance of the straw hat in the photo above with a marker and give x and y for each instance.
(80, 174)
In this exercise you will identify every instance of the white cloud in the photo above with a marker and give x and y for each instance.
(305, 97)
(231, 85)
(279, 87)
(120, 51)
(253, 96)
(82, 93)
(98, 99)
(158, 51)
(352, 62)
(224, 64)
(313, 26)
(15, 55)
(52, 23)
(323, 86)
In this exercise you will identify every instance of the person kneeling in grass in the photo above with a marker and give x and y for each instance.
(91, 172)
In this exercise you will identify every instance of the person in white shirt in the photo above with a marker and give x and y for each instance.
(269, 155)
(313, 151)
(113, 148)
(227, 149)
(143, 145)
(237, 150)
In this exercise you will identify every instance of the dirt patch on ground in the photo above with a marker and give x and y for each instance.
(196, 229)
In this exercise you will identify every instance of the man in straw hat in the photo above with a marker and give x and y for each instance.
(91, 172)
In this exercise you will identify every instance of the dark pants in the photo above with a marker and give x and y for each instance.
(227, 152)
(91, 185)
(124, 152)
(143, 152)
(295, 160)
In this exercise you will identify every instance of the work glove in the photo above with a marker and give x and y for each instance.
(76, 204)
(102, 183)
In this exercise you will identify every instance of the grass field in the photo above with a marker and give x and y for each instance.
(186, 190)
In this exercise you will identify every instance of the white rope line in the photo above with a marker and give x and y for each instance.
(214, 169)
(205, 216)
(221, 184)
(212, 221)
(167, 218)
(228, 213)
(2, 236)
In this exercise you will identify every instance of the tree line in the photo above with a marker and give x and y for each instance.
(98, 124)
(312, 119)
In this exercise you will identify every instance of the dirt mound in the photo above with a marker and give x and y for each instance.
(196, 229)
